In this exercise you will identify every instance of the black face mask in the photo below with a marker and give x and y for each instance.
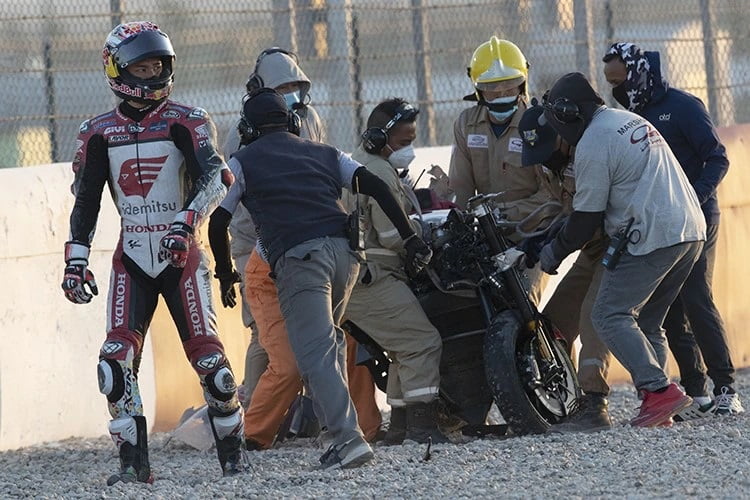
(572, 132)
(620, 93)
(499, 107)
(557, 162)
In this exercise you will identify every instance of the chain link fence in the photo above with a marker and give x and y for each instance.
(356, 52)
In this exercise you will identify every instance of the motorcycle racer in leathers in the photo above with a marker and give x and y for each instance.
(158, 160)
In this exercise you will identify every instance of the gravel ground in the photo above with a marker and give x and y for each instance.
(706, 458)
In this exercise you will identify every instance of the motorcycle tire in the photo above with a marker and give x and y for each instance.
(527, 405)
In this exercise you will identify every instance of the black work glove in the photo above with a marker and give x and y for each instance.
(226, 285)
(532, 247)
(549, 258)
(418, 255)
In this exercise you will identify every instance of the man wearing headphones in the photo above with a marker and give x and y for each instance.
(382, 304)
(486, 155)
(569, 307)
(292, 189)
(270, 365)
(278, 69)
(627, 176)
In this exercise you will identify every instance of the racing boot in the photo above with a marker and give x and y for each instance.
(397, 427)
(228, 432)
(592, 415)
(421, 423)
(131, 438)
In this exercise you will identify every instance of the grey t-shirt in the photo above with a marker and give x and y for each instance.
(625, 168)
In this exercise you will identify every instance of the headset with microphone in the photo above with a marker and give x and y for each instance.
(563, 109)
(250, 132)
(374, 139)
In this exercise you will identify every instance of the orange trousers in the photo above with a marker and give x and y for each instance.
(281, 382)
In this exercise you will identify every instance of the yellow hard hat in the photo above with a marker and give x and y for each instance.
(498, 61)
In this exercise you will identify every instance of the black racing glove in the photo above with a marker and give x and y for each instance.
(418, 255)
(226, 285)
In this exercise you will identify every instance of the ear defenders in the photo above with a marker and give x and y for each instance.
(374, 139)
(249, 132)
(563, 109)
(254, 81)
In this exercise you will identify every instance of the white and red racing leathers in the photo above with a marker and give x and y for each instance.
(160, 166)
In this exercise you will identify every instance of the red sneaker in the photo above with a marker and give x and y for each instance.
(657, 407)
(667, 423)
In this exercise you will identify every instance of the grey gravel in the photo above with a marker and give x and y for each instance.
(707, 458)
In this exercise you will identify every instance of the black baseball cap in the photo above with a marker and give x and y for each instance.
(265, 107)
(538, 136)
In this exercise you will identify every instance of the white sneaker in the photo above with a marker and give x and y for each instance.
(695, 411)
(727, 403)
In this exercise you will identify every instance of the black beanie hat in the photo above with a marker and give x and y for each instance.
(265, 108)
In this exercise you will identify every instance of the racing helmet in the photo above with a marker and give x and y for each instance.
(497, 61)
(130, 43)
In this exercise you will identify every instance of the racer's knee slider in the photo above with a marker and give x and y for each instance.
(221, 383)
(111, 379)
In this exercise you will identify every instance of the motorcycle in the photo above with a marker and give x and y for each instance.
(496, 345)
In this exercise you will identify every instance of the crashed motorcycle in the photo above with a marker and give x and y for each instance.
(496, 345)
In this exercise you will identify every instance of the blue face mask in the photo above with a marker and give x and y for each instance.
(292, 98)
(503, 115)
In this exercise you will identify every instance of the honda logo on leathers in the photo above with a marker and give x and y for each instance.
(137, 175)
(120, 299)
(192, 303)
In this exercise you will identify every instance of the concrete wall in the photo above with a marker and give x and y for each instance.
(49, 347)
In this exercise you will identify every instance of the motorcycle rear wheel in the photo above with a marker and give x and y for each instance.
(530, 393)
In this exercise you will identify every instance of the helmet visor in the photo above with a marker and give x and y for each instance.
(145, 45)
(501, 86)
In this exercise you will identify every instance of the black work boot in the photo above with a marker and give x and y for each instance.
(591, 416)
(421, 423)
(134, 464)
(228, 433)
(397, 427)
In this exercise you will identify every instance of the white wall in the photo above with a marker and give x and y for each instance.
(49, 346)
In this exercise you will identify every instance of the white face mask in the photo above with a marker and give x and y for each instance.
(403, 157)
(292, 98)
(503, 115)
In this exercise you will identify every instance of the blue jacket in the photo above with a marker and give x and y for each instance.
(683, 121)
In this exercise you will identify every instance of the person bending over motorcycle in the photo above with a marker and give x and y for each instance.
(627, 177)
(486, 154)
(292, 189)
(382, 304)
(569, 307)
(158, 159)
